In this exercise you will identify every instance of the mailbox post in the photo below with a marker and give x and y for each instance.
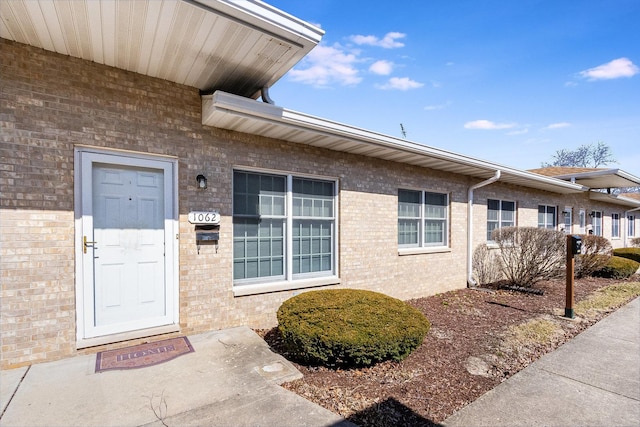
(574, 247)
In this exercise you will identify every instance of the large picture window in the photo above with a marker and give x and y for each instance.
(500, 213)
(423, 218)
(283, 227)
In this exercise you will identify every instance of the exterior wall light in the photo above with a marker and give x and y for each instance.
(202, 181)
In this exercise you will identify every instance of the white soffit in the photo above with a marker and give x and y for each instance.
(616, 199)
(605, 178)
(232, 112)
(238, 46)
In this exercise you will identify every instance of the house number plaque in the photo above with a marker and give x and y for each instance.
(204, 217)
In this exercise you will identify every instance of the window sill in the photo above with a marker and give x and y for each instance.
(419, 251)
(264, 288)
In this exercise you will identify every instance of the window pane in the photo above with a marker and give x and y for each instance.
(257, 248)
(408, 204)
(493, 209)
(407, 232)
(434, 232)
(312, 241)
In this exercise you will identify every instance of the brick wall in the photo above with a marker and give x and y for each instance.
(50, 104)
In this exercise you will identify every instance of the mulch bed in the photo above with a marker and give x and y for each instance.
(467, 332)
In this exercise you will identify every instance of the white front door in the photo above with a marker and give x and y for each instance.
(127, 245)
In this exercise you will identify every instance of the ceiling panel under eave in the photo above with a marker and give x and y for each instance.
(238, 46)
(226, 111)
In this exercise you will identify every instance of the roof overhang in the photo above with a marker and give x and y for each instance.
(616, 199)
(238, 46)
(603, 178)
(232, 112)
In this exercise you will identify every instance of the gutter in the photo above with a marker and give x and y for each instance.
(625, 232)
(470, 282)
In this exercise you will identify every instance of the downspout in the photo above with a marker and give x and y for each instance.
(264, 94)
(626, 232)
(470, 282)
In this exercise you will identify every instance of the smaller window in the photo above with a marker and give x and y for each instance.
(500, 213)
(583, 221)
(596, 221)
(546, 216)
(631, 225)
(568, 220)
(615, 225)
(422, 218)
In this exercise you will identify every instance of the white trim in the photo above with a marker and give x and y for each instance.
(425, 250)
(121, 157)
(267, 284)
(264, 288)
(227, 111)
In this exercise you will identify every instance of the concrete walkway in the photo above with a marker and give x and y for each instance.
(230, 380)
(592, 380)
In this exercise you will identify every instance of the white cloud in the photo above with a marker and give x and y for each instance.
(518, 132)
(325, 65)
(381, 67)
(558, 125)
(488, 125)
(621, 67)
(437, 106)
(400, 83)
(389, 41)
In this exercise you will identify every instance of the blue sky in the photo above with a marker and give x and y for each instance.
(509, 81)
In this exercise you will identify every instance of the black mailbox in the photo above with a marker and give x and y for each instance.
(576, 245)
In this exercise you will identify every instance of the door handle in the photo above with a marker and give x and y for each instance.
(86, 244)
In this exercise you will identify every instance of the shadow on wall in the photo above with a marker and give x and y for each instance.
(390, 413)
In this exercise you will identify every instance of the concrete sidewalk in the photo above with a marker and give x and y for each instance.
(230, 380)
(592, 380)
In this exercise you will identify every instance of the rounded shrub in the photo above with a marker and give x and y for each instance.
(618, 268)
(349, 327)
(630, 253)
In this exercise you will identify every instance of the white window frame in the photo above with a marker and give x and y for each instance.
(631, 225)
(544, 224)
(582, 216)
(567, 219)
(501, 222)
(615, 225)
(290, 280)
(597, 222)
(423, 218)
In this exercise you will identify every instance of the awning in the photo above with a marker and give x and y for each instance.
(238, 46)
(240, 114)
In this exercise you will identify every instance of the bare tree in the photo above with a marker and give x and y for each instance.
(585, 156)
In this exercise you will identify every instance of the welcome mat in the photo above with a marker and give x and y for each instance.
(140, 356)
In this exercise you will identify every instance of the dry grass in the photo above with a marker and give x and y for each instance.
(536, 331)
(607, 299)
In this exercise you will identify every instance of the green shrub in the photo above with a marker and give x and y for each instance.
(348, 327)
(618, 268)
(630, 253)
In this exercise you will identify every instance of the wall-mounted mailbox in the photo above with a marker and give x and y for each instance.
(207, 236)
(576, 245)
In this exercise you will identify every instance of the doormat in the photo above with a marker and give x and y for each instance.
(140, 356)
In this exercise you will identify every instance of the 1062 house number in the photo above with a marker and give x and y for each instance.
(209, 217)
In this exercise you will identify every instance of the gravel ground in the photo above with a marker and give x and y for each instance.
(470, 348)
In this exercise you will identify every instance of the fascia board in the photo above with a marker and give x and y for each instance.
(228, 103)
(268, 18)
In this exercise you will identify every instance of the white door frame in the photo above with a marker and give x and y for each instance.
(84, 292)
